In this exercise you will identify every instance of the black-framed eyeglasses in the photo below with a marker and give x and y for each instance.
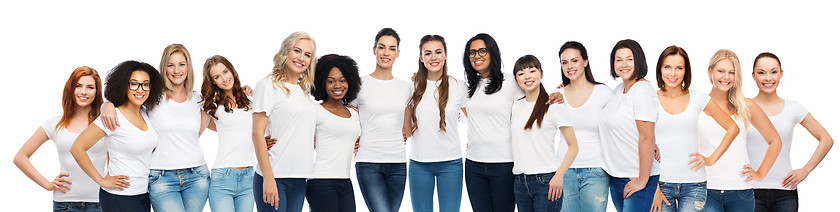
(136, 85)
(481, 52)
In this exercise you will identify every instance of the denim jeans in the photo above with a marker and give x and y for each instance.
(639, 201)
(291, 192)
(382, 185)
(730, 200)
(76, 207)
(531, 193)
(330, 195)
(684, 197)
(489, 186)
(450, 182)
(585, 189)
(232, 189)
(180, 190)
(771, 200)
(119, 203)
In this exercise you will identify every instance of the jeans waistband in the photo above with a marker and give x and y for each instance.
(179, 171)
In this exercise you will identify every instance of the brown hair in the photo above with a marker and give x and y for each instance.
(420, 86)
(214, 96)
(540, 107)
(673, 50)
(68, 103)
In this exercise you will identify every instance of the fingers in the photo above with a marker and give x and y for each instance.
(696, 163)
(554, 192)
(61, 187)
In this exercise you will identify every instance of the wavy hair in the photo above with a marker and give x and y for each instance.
(420, 86)
(735, 96)
(278, 73)
(68, 102)
(214, 96)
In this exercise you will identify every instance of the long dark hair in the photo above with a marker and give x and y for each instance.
(472, 75)
(215, 96)
(540, 107)
(587, 72)
(420, 86)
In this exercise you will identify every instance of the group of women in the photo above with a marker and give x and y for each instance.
(675, 149)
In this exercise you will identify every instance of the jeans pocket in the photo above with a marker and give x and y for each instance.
(458, 163)
(154, 176)
(217, 175)
(545, 179)
(61, 206)
(202, 172)
(747, 195)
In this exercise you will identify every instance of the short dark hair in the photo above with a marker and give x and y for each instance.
(348, 68)
(673, 50)
(116, 85)
(766, 54)
(587, 72)
(387, 32)
(473, 77)
(639, 61)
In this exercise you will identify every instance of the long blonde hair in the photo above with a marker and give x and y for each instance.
(164, 60)
(278, 73)
(735, 94)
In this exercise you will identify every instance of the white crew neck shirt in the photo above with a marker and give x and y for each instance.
(381, 106)
(791, 115)
(618, 130)
(291, 119)
(130, 151)
(335, 138)
(726, 173)
(429, 144)
(83, 189)
(177, 125)
(676, 136)
(488, 116)
(533, 149)
(586, 129)
(236, 148)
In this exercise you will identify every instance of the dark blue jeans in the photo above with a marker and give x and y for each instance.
(119, 203)
(684, 197)
(490, 186)
(531, 193)
(772, 200)
(291, 191)
(330, 195)
(382, 185)
(730, 200)
(76, 207)
(639, 201)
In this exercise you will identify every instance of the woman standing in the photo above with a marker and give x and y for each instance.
(80, 102)
(435, 149)
(281, 101)
(134, 88)
(777, 192)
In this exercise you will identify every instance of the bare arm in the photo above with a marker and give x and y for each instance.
(108, 114)
(87, 139)
(818, 131)
(732, 130)
(407, 125)
(270, 194)
(762, 123)
(555, 189)
(205, 122)
(646, 146)
(22, 162)
(212, 125)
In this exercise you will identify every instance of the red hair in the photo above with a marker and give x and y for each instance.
(68, 103)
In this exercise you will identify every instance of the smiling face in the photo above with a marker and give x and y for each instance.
(222, 77)
(433, 56)
(140, 81)
(386, 51)
(767, 73)
(723, 75)
(299, 57)
(177, 68)
(529, 79)
(85, 91)
(336, 85)
(673, 72)
(479, 56)
(624, 64)
(573, 64)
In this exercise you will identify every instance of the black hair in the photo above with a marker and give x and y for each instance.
(769, 55)
(472, 75)
(540, 106)
(116, 84)
(587, 72)
(348, 68)
(387, 32)
(639, 61)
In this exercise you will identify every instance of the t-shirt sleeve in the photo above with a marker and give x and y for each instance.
(514, 87)
(799, 112)
(561, 114)
(644, 102)
(463, 92)
(264, 96)
(703, 100)
(49, 127)
(98, 123)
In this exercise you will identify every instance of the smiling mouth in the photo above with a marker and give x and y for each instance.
(724, 83)
(768, 85)
(176, 76)
(529, 83)
(337, 92)
(385, 59)
(672, 80)
(298, 64)
(139, 96)
(572, 72)
(83, 99)
(478, 62)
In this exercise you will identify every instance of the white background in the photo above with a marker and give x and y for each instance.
(42, 42)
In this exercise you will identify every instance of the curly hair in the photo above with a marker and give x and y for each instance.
(278, 73)
(68, 103)
(214, 96)
(348, 69)
(116, 84)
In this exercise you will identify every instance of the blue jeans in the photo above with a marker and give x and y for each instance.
(291, 192)
(232, 189)
(76, 207)
(585, 189)
(330, 195)
(450, 182)
(684, 197)
(639, 201)
(771, 200)
(531, 193)
(382, 185)
(119, 203)
(490, 186)
(730, 200)
(180, 190)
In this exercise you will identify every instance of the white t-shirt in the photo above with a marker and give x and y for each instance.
(726, 173)
(130, 151)
(618, 130)
(291, 119)
(488, 135)
(177, 124)
(83, 189)
(335, 138)
(586, 129)
(236, 148)
(791, 115)
(533, 149)
(429, 144)
(381, 106)
(676, 136)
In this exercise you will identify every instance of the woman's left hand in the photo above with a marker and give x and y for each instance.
(555, 187)
(633, 186)
(751, 174)
(248, 90)
(794, 178)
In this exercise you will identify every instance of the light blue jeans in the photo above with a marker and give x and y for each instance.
(232, 189)
(450, 183)
(585, 189)
(684, 197)
(180, 190)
